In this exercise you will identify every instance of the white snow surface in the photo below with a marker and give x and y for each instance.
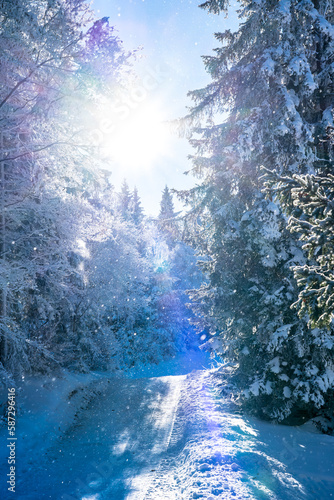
(168, 437)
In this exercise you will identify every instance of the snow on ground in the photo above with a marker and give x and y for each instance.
(171, 437)
(45, 407)
(217, 454)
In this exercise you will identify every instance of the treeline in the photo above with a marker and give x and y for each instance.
(86, 280)
(262, 212)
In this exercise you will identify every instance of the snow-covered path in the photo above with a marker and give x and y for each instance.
(114, 447)
(171, 438)
(217, 454)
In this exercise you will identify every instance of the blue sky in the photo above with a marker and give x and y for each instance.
(173, 36)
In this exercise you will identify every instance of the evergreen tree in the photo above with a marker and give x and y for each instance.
(136, 208)
(166, 219)
(166, 205)
(266, 77)
(125, 201)
(308, 199)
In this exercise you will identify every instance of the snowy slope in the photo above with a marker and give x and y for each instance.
(172, 438)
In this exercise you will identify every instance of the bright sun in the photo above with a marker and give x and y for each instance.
(139, 140)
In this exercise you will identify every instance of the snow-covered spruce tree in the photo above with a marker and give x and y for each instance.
(136, 209)
(265, 77)
(125, 201)
(50, 74)
(166, 219)
(309, 201)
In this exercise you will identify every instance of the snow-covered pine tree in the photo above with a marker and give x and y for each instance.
(136, 209)
(125, 200)
(263, 78)
(307, 198)
(166, 219)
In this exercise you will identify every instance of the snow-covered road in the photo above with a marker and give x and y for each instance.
(172, 438)
(113, 449)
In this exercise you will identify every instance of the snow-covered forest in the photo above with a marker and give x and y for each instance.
(87, 282)
(105, 308)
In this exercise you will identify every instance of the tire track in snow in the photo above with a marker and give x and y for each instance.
(162, 420)
(201, 460)
(217, 454)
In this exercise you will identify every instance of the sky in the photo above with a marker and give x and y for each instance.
(172, 36)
